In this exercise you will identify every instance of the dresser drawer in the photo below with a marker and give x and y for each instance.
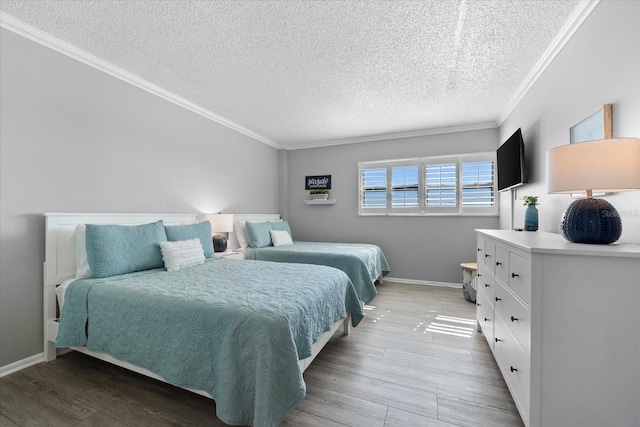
(515, 315)
(480, 251)
(485, 284)
(501, 264)
(520, 276)
(484, 316)
(489, 256)
(514, 364)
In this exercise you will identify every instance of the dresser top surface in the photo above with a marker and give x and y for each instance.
(553, 243)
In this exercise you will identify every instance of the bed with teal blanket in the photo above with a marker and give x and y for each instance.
(234, 329)
(363, 263)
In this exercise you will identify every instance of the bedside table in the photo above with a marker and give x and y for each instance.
(229, 254)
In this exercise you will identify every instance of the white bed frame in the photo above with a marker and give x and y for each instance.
(59, 265)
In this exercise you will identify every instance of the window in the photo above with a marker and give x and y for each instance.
(404, 187)
(451, 185)
(441, 187)
(373, 188)
(477, 184)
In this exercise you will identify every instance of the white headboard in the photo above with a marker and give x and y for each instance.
(233, 241)
(59, 253)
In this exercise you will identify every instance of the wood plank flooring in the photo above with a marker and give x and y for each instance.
(415, 360)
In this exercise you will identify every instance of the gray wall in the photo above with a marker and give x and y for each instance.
(417, 248)
(74, 139)
(600, 65)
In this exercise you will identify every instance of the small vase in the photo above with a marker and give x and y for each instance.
(531, 218)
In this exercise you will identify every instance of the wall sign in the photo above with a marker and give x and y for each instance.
(318, 182)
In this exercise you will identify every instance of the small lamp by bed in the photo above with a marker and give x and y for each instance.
(606, 165)
(220, 223)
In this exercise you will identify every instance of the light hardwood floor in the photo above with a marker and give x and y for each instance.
(415, 360)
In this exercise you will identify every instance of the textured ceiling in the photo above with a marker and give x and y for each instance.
(305, 73)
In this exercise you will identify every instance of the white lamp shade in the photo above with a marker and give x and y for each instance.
(605, 165)
(221, 223)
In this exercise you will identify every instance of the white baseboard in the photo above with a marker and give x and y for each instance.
(423, 282)
(21, 364)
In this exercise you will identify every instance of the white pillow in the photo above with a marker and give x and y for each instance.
(82, 262)
(180, 254)
(280, 238)
(240, 228)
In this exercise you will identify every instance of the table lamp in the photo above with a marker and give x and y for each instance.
(605, 165)
(220, 223)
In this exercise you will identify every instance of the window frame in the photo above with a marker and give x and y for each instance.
(460, 209)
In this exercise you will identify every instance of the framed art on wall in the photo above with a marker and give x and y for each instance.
(598, 125)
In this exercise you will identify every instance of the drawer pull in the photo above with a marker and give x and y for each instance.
(513, 369)
(487, 255)
(498, 340)
(513, 319)
(486, 285)
(498, 263)
(486, 320)
(478, 304)
(479, 275)
(498, 299)
(479, 250)
(514, 275)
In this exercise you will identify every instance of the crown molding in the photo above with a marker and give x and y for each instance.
(398, 135)
(27, 31)
(575, 21)
(582, 12)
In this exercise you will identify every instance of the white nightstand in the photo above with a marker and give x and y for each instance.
(230, 254)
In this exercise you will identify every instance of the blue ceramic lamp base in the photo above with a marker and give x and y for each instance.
(219, 243)
(593, 221)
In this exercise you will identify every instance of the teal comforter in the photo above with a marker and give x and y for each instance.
(362, 262)
(235, 329)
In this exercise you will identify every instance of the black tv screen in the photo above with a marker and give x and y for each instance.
(510, 162)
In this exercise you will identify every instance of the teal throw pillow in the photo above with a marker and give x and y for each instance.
(258, 234)
(120, 249)
(201, 230)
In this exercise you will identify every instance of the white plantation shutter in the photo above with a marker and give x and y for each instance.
(478, 186)
(441, 180)
(373, 190)
(405, 188)
(448, 185)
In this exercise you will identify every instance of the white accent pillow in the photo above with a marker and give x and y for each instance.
(280, 238)
(180, 254)
(82, 262)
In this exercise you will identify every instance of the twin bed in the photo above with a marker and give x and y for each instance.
(365, 264)
(241, 332)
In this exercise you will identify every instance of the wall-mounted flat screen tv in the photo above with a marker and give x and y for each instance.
(510, 162)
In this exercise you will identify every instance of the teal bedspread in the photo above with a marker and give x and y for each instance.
(235, 329)
(363, 263)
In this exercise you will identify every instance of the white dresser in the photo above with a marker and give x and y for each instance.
(563, 322)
